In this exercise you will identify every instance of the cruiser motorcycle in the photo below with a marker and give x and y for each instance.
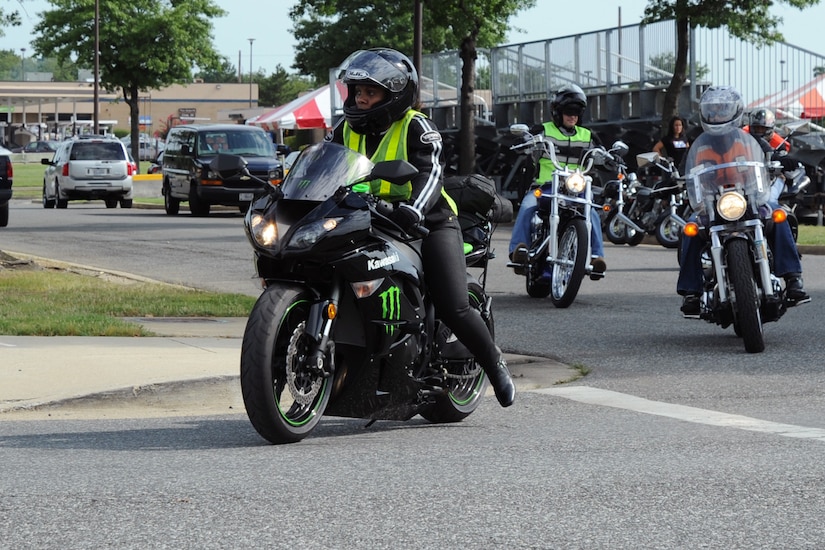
(729, 188)
(558, 257)
(344, 325)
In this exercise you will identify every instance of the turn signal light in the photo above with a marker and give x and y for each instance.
(537, 192)
(691, 229)
(779, 215)
(332, 311)
(606, 208)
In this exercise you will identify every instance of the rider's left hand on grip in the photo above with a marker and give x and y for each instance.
(407, 218)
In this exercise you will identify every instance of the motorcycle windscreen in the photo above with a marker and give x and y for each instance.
(322, 169)
(719, 162)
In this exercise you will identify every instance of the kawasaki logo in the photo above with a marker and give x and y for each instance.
(382, 262)
(391, 306)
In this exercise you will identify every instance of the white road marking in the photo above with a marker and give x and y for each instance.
(607, 398)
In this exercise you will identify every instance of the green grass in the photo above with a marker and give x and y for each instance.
(46, 302)
(811, 235)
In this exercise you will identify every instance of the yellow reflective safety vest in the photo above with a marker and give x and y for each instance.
(393, 146)
(570, 149)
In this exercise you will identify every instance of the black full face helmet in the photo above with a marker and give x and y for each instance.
(388, 69)
(571, 99)
(721, 109)
(762, 123)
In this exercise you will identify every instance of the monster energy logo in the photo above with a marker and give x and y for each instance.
(391, 306)
(304, 183)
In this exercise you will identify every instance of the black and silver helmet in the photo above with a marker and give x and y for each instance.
(721, 109)
(762, 123)
(388, 69)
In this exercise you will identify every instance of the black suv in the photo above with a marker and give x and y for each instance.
(186, 173)
(6, 176)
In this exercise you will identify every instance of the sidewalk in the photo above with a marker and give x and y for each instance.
(190, 369)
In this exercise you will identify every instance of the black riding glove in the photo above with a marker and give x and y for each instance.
(407, 217)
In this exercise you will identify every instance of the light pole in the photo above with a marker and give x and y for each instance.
(729, 61)
(22, 64)
(251, 40)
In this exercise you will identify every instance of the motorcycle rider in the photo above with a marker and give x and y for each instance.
(571, 141)
(380, 122)
(762, 128)
(721, 109)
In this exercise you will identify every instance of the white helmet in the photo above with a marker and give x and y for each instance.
(721, 109)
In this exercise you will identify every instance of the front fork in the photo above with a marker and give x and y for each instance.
(761, 260)
(321, 317)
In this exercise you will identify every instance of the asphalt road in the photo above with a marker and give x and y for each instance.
(676, 438)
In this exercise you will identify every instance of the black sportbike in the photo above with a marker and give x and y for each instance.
(345, 326)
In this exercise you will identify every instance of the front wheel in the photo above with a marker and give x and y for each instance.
(668, 231)
(745, 299)
(465, 383)
(284, 398)
(615, 229)
(569, 268)
(170, 203)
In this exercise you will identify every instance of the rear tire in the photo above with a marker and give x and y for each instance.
(464, 394)
(4, 215)
(126, 203)
(47, 202)
(745, 299)
(170, 203)
(569, 269)
(60, 203)
(283, 400)
(110, 203)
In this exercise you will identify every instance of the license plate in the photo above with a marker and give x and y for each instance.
(98, 171)
(245, 196)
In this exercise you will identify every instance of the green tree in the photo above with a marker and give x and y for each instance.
(8, 19)
(224, 72)
(749, 20)
(144, 44)
(282, 87)
(327, 31)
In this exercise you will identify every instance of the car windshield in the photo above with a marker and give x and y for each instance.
(717, 163)
(244, 143)
(322, 169)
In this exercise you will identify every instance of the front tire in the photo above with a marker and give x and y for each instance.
(745, 299)
(615, 229)
(667, 231)
(463, 395)
(283, 400)
(170, 203)
(569, 268)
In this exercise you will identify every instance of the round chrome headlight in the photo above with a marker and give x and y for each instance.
(575, 183)
(732, 206)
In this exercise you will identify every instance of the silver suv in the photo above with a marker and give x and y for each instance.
(87, 168)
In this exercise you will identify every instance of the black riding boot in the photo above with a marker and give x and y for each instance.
(499, 376)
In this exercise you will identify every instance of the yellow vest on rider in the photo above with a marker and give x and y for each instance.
(393, 146)
(570, 149)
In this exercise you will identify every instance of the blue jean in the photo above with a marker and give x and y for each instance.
(521, 227)
(785, 258)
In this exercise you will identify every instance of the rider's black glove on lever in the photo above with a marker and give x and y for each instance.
(407, 218)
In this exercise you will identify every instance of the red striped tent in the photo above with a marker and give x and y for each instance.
(311, 110)
(808, 101)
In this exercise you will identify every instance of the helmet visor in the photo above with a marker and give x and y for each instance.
(369, 68)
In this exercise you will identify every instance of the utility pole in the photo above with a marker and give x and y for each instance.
(96, 76)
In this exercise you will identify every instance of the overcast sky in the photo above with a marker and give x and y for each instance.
(268, 23)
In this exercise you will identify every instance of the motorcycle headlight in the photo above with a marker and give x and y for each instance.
(264, 231)
(575, 183)
(732, 206)
(311, 233)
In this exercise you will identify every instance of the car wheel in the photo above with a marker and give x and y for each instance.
(126, 203)
(4, 215)
(170, 203)
(61, 203)
(110, 203)
(47, 202)
(197, 206)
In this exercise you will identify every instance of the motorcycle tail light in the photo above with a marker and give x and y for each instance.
(691, 229)
(732, 206)
(779, 215)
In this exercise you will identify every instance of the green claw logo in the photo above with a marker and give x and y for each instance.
(391, 306)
